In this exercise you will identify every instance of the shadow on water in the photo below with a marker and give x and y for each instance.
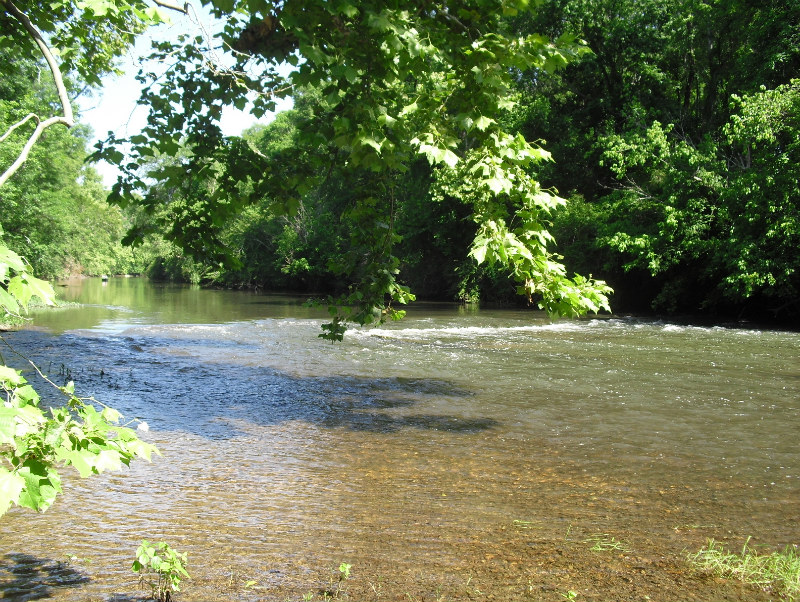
(25, 577)
(182, 393)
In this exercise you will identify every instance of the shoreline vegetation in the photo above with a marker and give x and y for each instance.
(777, 572)
(703, 319)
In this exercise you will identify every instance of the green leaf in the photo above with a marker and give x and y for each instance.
(370, 141)
(42, 289)
(42, 484)
(19, 289)
(80, 459)
(8, 302)
(450, 158)
(11, 259)
(11, 486)
(479, 250)
(348, 10)
(110, 414)
(351, 74)
(8, 425)
(483, 122)
(10, 377)
(409, 109)
(108, 459)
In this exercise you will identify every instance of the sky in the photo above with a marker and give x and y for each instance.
(113, 107)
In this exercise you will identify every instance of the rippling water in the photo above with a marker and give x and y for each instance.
(409, 450)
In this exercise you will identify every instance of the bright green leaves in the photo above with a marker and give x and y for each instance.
(539, 273)
(762, 199)
(33, 444)
(483, 122)
(41, 485)
(87, 37)
(724, 208)
(512, 213)
(11, 486)
(98, 8)
(437, 149)
(10, 376)
(161, 568)
(18, 286)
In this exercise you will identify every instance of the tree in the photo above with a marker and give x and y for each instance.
(650, 163)
(54, 203)
(398, 81)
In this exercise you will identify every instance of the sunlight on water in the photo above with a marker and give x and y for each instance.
(285, 454)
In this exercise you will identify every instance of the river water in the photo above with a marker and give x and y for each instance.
(438, 456)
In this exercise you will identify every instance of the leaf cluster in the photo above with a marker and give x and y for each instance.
(35, 442)
(161, 568)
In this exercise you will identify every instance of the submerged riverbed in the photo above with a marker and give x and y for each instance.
(457, 455)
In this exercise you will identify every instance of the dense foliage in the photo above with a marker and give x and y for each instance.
(393, 83)
(53, 211)
(676, 141)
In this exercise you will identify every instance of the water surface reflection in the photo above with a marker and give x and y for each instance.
(415, 452)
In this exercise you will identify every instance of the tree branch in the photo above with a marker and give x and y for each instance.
(172, 6)
(20, 123)
(68, 119)
(23, 156)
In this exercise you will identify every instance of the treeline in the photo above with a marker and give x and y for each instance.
(328, 241)
(675, 142)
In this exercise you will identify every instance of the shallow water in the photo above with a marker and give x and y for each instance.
(421, 452)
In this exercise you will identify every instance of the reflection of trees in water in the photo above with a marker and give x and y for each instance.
(26, 577)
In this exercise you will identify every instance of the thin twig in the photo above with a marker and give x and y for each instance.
(172, 6)
(20, 123)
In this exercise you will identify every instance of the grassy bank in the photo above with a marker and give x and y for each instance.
(777, 572)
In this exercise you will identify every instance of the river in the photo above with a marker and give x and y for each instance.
(461, 454)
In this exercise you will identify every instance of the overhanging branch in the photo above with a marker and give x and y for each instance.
(173, 6)
(67, 119)
(41, 126)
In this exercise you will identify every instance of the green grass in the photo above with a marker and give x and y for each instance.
(777, 571)
(602, 542)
